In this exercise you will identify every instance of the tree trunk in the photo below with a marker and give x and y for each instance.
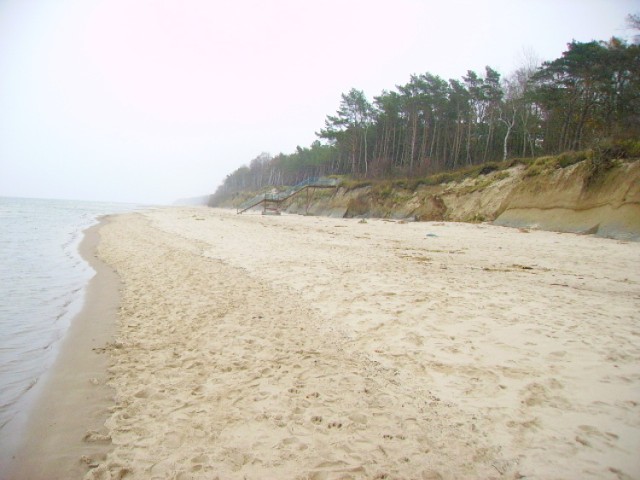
(414, 134)
(506, 139)
(423, 144)
(366, 163)
(469, 161)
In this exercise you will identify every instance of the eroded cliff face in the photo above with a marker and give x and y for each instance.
(574, 200)
(571, 199)
(476, 199)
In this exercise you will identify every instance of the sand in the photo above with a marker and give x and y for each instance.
(255, 347)
(73, 398)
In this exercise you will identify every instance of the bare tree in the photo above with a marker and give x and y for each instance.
(634, 23)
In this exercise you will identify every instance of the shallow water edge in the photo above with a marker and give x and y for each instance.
(49, 439)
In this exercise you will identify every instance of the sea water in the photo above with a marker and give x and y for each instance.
(42, 281)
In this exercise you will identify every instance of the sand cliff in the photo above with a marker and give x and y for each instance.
(570, 199)
(565, 200)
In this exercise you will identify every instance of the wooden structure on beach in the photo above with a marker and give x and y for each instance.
(272, 202)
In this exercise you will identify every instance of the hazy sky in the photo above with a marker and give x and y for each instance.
(152, 100)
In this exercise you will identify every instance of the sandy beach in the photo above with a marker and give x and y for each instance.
(255, 347)
(73, 398)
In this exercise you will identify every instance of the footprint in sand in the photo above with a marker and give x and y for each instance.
(200, 459)
(95, 437)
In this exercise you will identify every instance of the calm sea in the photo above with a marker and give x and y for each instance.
(42, 280)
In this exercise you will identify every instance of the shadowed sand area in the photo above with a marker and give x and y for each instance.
(318, 348)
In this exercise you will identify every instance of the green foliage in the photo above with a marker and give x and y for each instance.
(431, 131)
(352, 184)
(570, 158)
(599, 159)
(617, 149)
(533, 171)
(488, 168)
(552, 162)
(603, 158)
(500, 176)
(589, 93)
(383, 191)
(521, 161)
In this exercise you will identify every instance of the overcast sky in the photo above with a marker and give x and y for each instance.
(151, 100)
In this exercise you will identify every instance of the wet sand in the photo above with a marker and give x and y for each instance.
(316, 348)
(74, 399)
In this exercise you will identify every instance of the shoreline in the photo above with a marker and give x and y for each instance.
(73, 399)
(373, 349)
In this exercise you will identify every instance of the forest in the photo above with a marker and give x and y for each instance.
(588, 96)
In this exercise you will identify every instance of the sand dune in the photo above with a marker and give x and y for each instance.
(317, 348)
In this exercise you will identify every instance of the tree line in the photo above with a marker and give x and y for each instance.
(591, 94)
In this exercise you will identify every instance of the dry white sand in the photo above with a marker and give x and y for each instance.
(260, 347)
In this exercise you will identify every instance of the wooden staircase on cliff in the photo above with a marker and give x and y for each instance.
(272, 202)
